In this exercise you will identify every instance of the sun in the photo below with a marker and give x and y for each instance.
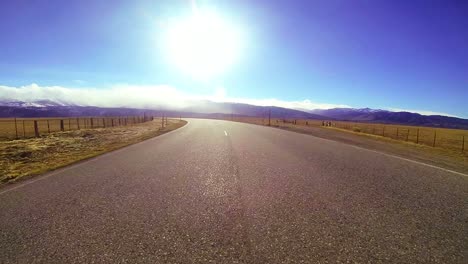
(202, 45)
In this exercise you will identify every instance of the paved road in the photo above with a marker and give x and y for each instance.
(222, 192)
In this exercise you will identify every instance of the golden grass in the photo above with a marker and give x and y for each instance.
(435, 137)
(32, 156)
(446, 153)
(11, 128)
(452, 139)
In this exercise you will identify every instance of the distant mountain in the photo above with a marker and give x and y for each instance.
(389, 117)
(209, 109)
(249, 110)
(48, 108)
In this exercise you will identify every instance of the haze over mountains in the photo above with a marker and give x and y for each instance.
(210, 109)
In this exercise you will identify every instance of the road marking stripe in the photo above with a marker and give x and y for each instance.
(388, 155)
(225, 133)
(413, 161)
(375, 151)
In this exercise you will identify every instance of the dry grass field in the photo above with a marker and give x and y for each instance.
(455, 139)
(11, 128)
(399, 140)
(31, 156)
(452, 139)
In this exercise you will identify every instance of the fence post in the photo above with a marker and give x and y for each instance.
(48, 126)
(397, 133)
(417, 137)
(16, 128)
(112, 121)
(92, 125)
(433, 144)
(407, 134)
(383, 132)
(36, 129)
(78, 123)
(62, 127)
(24, 131)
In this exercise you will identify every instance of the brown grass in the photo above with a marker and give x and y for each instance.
(11, 128)
(28, 157)
(444, 138)
(447, 152)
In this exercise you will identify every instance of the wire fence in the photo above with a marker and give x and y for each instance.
(16, 128)
(452, 139)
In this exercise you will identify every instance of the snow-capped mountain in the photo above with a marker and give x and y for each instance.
(49, 108)
(390, 117)
(38, 103)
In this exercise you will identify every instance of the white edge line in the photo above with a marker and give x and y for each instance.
(374, 151)
(413, 161)
(386, 154)
(79, 163)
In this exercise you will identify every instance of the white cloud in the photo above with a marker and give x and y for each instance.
(148, 96)
(152, 96)
(115, 96)
(300, 105)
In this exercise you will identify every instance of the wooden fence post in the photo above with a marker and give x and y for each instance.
(78, 123)
(407, 134)
(91, 120)
(383, 132)
(69, 123)
(16, 128)
(62, 127)
(112, 122)
(24, 130)
(36, 129)
(417, 137)
(48, 126)
(433, 144)
(397, 130)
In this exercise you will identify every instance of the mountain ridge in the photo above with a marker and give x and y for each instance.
(210, 109)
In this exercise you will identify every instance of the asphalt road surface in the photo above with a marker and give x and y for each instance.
(224, 192)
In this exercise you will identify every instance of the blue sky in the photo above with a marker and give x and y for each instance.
(410, 55)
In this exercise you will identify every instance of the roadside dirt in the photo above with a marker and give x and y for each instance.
(449, 159)
(29, 157)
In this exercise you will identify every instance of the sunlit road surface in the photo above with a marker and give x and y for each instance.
(237, 193)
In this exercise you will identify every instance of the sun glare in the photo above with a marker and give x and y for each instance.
(202, 45)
